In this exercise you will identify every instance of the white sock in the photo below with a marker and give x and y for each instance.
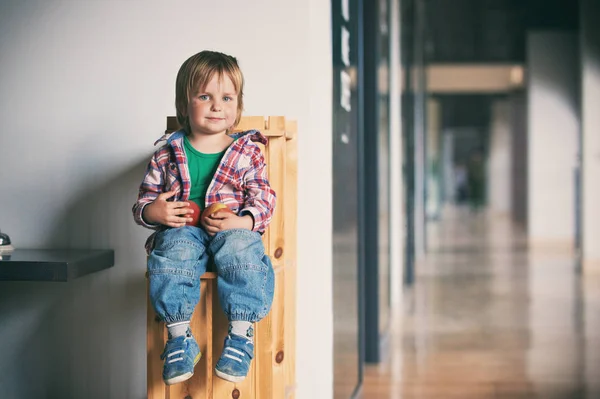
(178, 329)
(242, 328)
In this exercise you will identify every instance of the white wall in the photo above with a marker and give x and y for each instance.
(85, 87)
(590, 63)
(499, 172)
(552, 127)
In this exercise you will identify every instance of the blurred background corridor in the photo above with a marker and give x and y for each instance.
(466, 257)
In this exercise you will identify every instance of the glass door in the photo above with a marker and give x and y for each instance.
(346, 242)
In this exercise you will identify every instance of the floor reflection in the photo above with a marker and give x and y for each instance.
(489, 319)
(345, 305)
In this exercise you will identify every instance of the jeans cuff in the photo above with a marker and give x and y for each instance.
(177, 318)
(242, 316)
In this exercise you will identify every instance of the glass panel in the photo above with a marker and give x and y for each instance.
(384, 167)
(345, 199)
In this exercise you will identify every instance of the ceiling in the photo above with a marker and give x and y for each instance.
(490, 31)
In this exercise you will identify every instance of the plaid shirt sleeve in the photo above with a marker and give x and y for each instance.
(259, 198)
(152, 185)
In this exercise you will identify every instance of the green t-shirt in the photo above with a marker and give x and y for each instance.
(202, 169)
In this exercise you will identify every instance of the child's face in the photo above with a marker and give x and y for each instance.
(213, 109)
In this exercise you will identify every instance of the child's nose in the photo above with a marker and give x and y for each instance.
(216, 105)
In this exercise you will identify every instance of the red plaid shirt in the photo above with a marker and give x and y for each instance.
(240, 181)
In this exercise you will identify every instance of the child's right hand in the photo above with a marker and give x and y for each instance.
(168, 213)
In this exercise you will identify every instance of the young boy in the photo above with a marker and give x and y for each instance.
(206, 164)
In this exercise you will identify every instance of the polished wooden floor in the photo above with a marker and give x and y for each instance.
(489, 319)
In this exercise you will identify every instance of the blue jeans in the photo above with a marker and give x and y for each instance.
(245, 281)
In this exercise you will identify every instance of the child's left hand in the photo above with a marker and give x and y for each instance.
(223, 220)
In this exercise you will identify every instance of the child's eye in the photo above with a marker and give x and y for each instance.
(203, 97)
(227, 98)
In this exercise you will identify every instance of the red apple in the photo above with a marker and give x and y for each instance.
(195, 216)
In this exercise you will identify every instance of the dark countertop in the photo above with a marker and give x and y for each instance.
(53, 264)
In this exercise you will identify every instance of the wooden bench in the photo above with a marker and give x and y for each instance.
(272, 374)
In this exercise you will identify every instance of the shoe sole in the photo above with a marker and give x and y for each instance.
(179, 378)
(186, 376)
(230, 378)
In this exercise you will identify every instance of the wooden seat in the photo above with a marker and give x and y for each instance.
(272, 374)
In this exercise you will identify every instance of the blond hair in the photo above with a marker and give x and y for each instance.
(194, 75)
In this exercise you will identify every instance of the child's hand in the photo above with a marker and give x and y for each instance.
(224, 220)
(172, 214)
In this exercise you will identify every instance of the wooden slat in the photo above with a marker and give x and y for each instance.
(155, 336)
(263, 361)
(270, 383)
(290, 329)
(262, 337)
(179, 391)
(290, 233)
(251, 122)
(291, 130)
(208, 276)
(208, 327)
(279, 161)
(279, 344)
(276, 164)
(273, 132)
(202, 317)
(223, 389)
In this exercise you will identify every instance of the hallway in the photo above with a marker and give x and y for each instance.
(489, 319)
